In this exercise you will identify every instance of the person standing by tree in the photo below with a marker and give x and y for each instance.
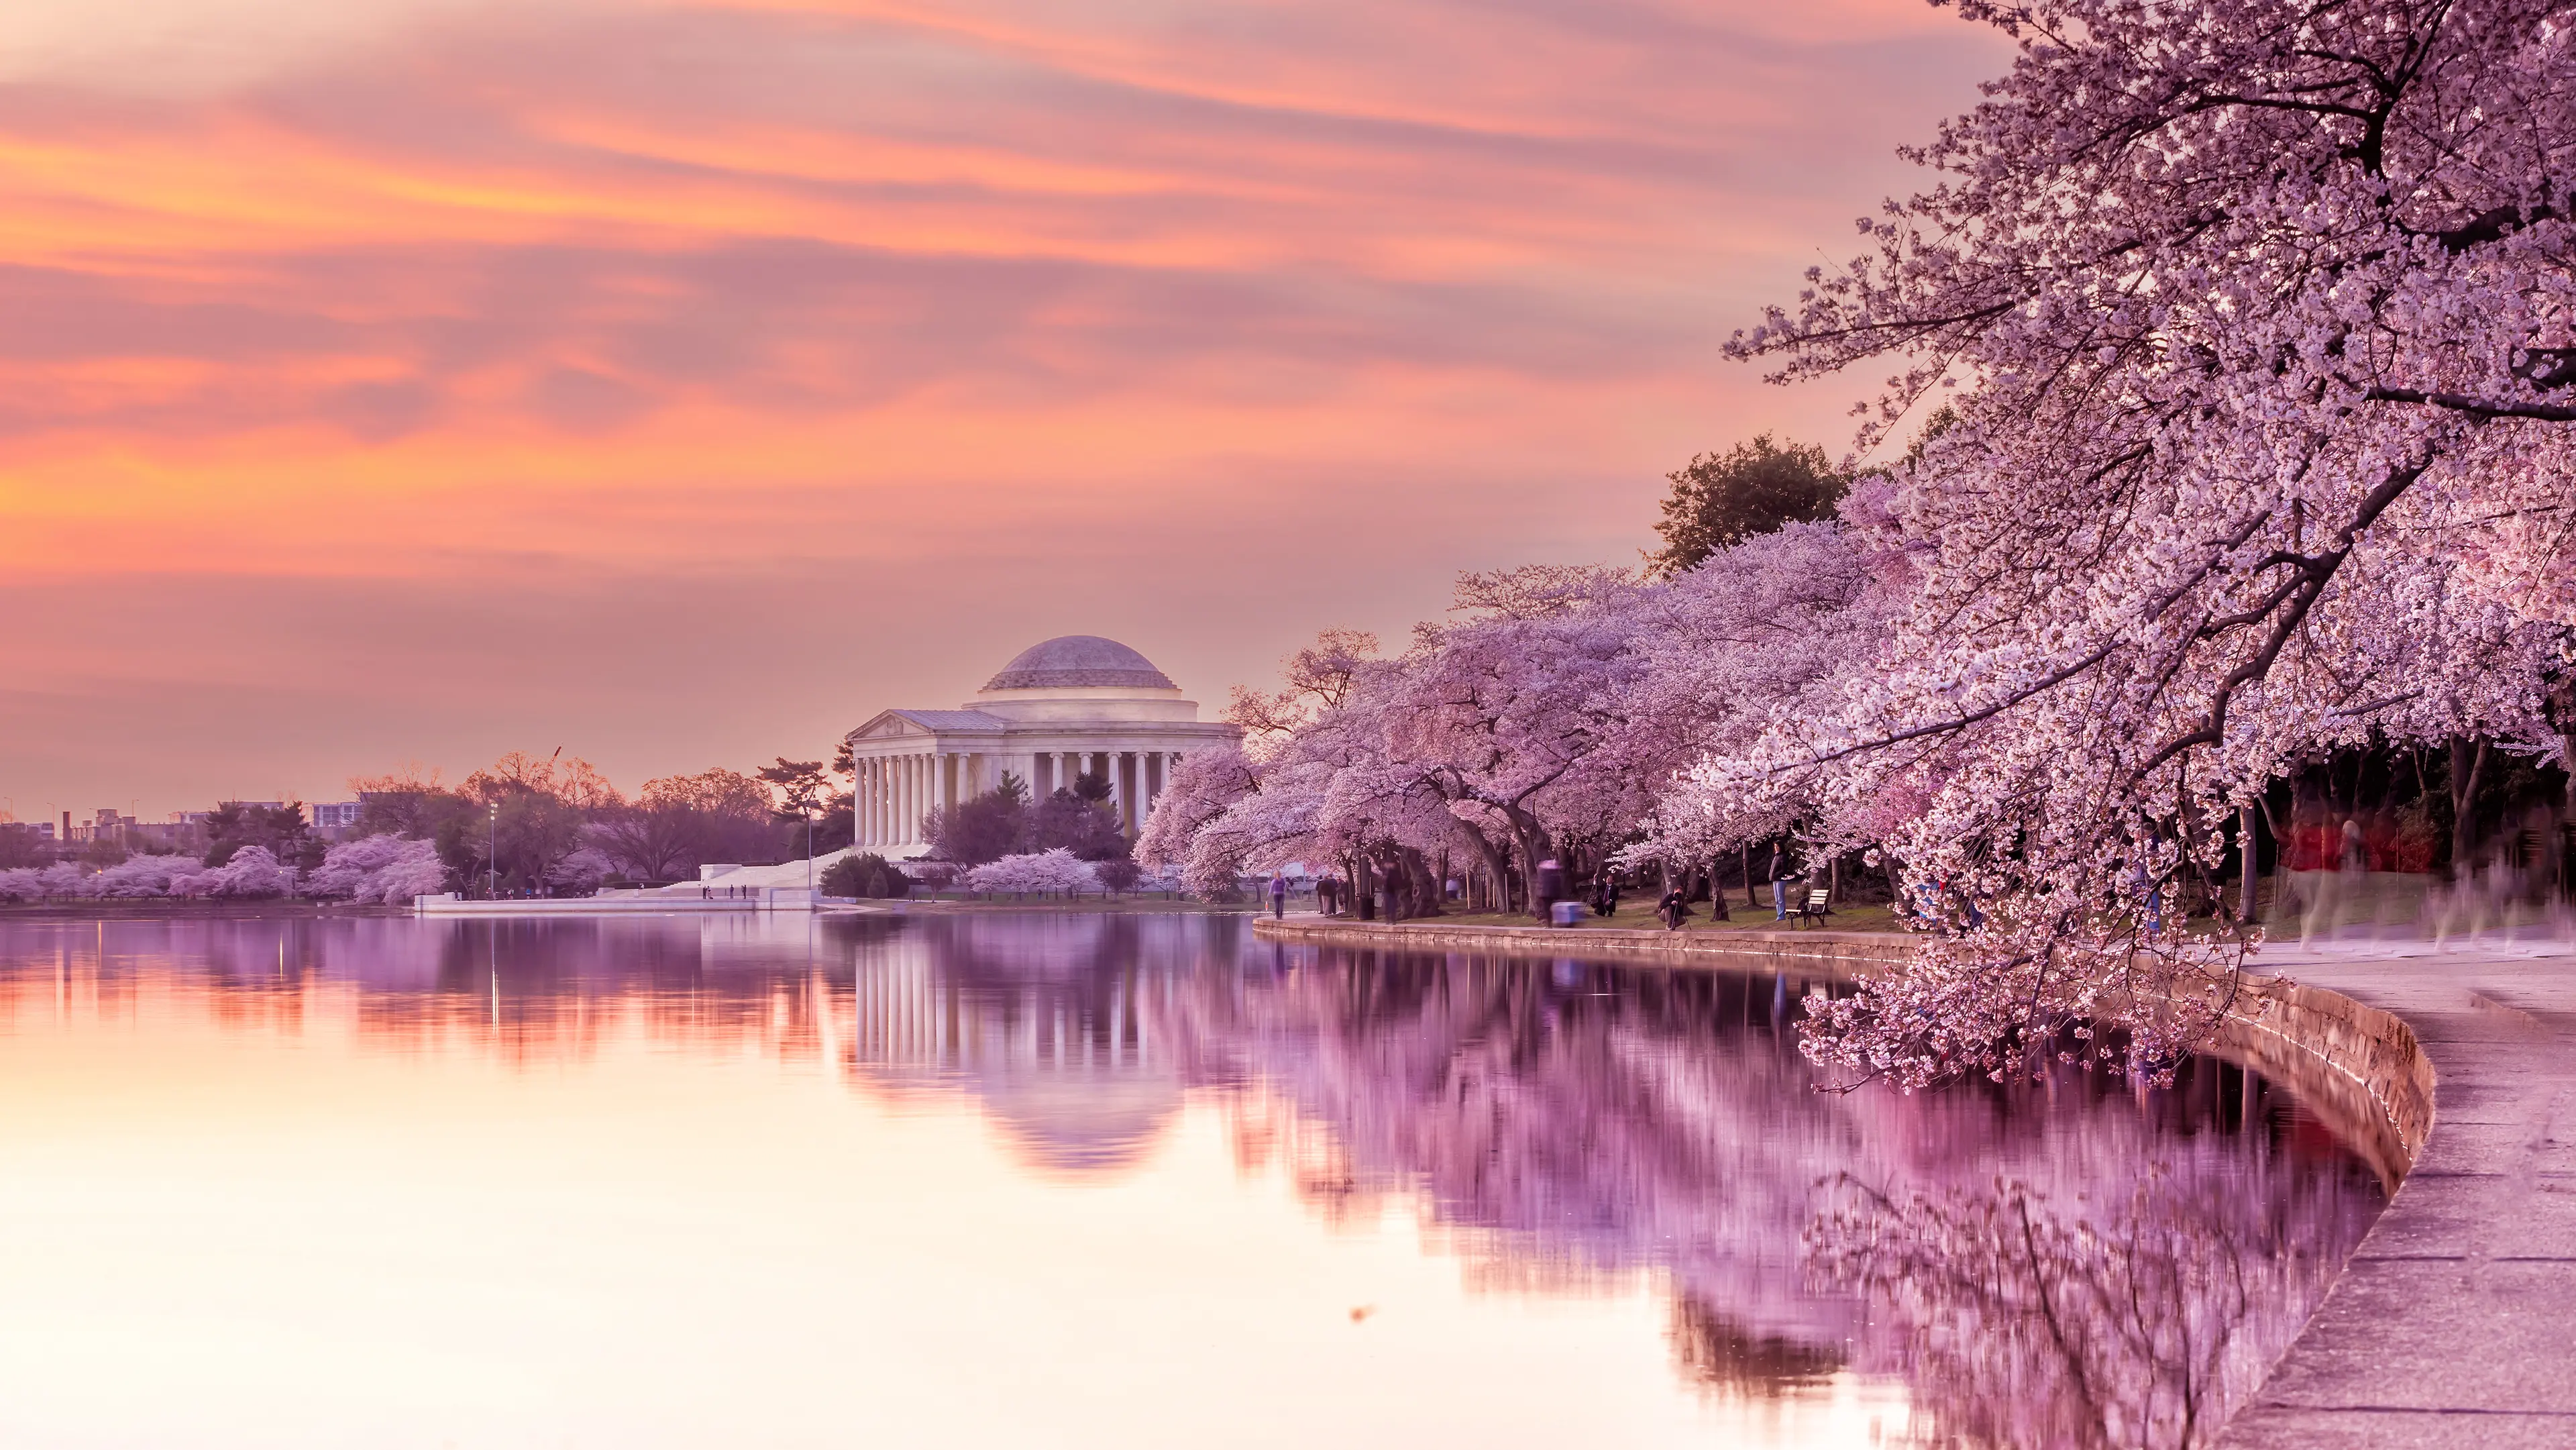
(1278, 896)
(1779, 874)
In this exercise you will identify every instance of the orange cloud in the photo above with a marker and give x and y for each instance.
(456, 310)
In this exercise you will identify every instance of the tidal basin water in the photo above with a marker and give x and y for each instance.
(1078, 1181)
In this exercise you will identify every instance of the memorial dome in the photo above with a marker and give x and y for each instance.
(1079, 661)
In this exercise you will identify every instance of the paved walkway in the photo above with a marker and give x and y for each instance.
(2455, 1324)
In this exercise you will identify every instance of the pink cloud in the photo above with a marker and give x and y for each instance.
(887, 297)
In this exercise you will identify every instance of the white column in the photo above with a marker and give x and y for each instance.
(876, 803)
(863, 803)
(903, 816)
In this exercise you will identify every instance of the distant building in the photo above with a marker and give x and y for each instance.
(333, 817)
(1074, 705)
(105, 824)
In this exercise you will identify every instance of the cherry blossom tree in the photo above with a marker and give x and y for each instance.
(1551, 718)
(389, 868)
(33, 883)
(138, 876)
(2245, 327)
(1766, 640)
(135, 876)
(1036, 871)
(253, 871)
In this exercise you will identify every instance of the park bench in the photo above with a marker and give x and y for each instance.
(1815, 909)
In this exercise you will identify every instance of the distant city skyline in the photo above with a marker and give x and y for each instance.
(675, 380)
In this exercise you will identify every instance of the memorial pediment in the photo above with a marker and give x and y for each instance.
(928, 724)
(888, 725)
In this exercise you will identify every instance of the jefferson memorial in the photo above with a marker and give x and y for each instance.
(1077, 704)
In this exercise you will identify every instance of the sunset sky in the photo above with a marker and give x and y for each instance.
(681, 382)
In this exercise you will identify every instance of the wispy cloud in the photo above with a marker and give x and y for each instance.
(897, 290)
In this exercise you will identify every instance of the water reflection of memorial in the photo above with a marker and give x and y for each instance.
(1047, 1021)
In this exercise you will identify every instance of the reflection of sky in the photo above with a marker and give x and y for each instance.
(399, 377)
(1067, 1122)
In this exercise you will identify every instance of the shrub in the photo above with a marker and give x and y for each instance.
(868, 877)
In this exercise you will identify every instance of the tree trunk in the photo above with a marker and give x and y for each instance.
(2468, 762)
(1535, 847)
(1428, 896)
(1498, 871)
(2253, 858)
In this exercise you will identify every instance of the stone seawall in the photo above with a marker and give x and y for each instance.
(1839, 953)
(2359, 1069)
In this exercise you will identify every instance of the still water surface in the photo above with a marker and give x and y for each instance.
(1077, 1181)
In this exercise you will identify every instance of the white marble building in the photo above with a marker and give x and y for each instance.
(1075, 704)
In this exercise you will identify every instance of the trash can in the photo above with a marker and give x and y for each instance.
(1565, 913)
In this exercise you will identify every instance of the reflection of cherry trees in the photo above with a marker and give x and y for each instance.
(1564, 1123)
(2026, 1315)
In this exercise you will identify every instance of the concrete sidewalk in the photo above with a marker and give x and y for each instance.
(2455, 1323)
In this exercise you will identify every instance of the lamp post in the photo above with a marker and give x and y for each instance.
(492, 856)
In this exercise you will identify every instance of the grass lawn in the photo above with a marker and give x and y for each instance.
(1146, 903)
(1637, 912)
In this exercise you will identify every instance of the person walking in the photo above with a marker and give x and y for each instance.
(1278, 896)
(1780, 872)
(1324, 895)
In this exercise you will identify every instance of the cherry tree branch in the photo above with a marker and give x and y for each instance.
(2475, 407)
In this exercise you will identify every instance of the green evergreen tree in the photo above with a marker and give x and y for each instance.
(1723, 499)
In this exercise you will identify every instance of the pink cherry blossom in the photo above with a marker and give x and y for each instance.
(388, 868)
(1037, 871)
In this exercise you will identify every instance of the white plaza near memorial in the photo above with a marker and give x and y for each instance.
(1077, 704)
